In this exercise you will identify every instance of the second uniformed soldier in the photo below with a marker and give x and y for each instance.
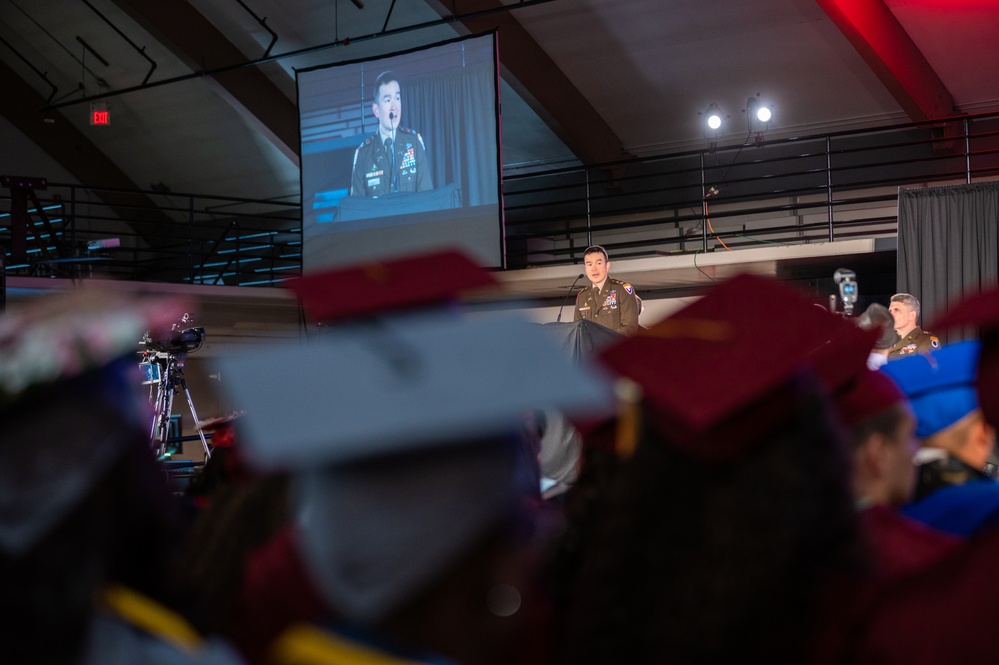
(607, 301)
(904, 309)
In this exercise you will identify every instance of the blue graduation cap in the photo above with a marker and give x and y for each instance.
(940, 384)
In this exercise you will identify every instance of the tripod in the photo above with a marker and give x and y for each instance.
(163, 364)
(166, 372)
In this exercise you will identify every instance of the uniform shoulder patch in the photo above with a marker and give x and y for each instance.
(629, 288)
(934, 341)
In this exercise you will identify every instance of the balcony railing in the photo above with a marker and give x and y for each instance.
(796, 190)
(792, 190)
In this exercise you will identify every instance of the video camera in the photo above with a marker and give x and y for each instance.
(178, 341)
(848, 290)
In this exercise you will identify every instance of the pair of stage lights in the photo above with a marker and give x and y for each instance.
(757, 113)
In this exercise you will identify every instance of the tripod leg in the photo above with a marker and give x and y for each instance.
(160, 431)
(194, 414)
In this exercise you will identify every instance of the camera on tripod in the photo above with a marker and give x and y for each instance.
(848, 290)
(178, 340)
(162, 364)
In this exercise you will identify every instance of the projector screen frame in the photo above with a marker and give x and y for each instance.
(473, 160)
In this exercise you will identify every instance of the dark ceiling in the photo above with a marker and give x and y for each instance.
(584, 81)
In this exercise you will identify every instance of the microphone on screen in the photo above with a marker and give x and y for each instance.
(389, 150)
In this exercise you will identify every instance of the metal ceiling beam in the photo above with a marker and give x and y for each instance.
(536, 78)
(890, 52)
(194, 39)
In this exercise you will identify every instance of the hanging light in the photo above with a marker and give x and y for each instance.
(758, 114)
(713, 117)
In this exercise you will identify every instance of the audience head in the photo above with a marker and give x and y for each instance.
(877, 317)
(882, 430)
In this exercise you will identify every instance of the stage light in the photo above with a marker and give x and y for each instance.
(714, 117)
(758, 114)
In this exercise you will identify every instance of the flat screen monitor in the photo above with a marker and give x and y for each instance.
(401, 154)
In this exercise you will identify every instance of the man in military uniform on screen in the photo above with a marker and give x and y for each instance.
(607, 301)
(904, 309)
(394, 158)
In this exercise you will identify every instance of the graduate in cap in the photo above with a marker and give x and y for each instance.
(731, 509)
(87, 521)
(276, 591)
(924, 596)
(404, 434)
(882, 429)
(952, 493)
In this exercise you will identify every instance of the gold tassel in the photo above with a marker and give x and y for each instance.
(629, 417)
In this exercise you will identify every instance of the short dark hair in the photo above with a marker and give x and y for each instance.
(885, 423)
(593, 249)
(908, 300)
(384, 78)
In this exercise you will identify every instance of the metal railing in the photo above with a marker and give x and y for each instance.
(153, 236)
(792, 190)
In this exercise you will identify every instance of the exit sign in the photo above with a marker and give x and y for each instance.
(100, 114)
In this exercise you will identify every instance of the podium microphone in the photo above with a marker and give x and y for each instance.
(566, 299)
(393, 182)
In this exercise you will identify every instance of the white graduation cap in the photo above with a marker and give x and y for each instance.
(389, 385)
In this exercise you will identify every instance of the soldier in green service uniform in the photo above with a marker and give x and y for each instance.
(607, 301)
(394, 158)
(904, 309)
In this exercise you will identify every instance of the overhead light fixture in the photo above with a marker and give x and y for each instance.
(713, 117)
(758, 115)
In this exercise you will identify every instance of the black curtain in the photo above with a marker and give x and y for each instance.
(456, 112)
(948, 246)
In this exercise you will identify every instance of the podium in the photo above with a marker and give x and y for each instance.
(581, 339)
(353, 208)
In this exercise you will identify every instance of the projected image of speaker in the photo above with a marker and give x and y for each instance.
(401, 153)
